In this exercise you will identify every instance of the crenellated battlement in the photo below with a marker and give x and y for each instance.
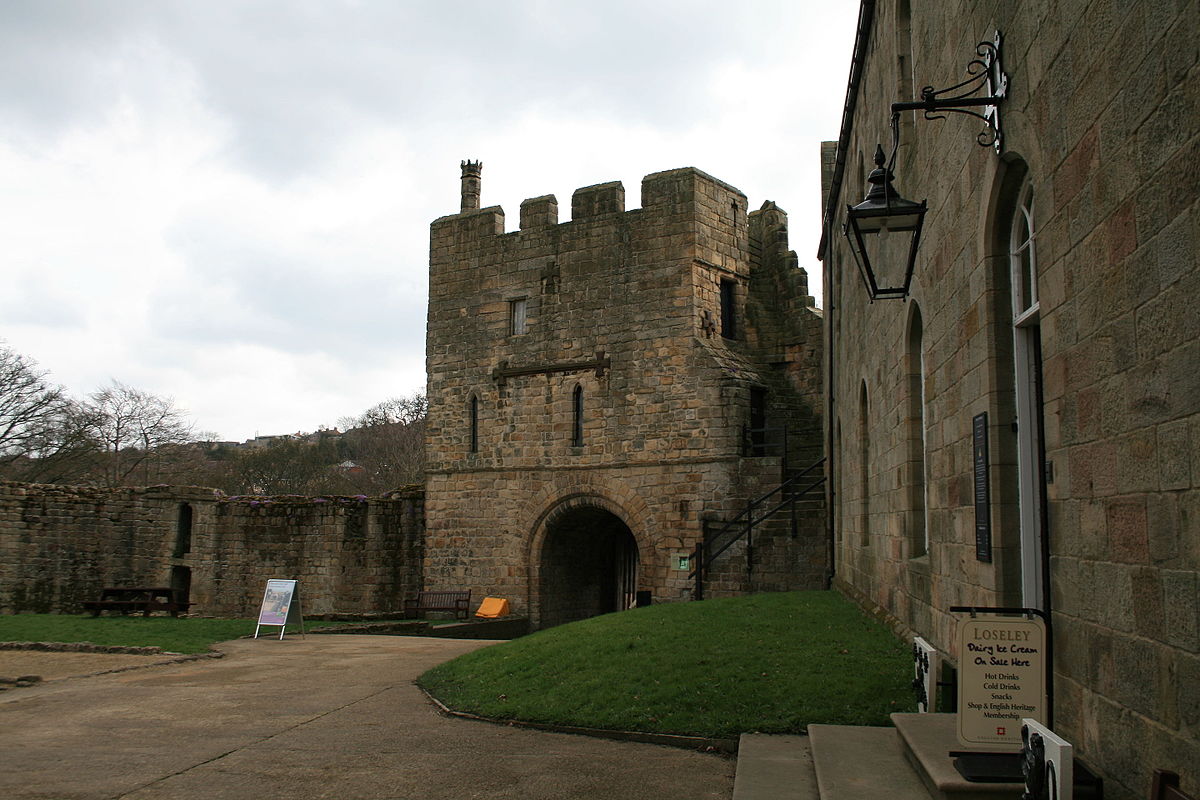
(539, 212)
(669, 192)
(598, 200)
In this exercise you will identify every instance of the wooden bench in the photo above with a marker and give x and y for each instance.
(1166, 787)
(457, 601)
(127, 599)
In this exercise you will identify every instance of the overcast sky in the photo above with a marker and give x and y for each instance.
(228, 203)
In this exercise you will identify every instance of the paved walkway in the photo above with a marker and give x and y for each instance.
(323, 717)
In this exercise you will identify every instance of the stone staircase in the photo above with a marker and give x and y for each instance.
(846, 762)
(787, 555)
(783, 562)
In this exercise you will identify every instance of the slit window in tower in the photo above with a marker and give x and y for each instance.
(728, 315)
(517, 316)
(474, 424)
(577, 413)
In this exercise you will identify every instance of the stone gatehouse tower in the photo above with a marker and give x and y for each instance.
(604, 391)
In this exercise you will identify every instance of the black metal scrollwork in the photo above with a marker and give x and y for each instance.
(921, 658)
(1033, 767)
(986, 75)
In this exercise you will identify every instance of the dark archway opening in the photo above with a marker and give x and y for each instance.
(181, 583)
(589, 566)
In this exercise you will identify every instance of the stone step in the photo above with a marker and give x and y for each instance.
(854, 762)
(928, 740)
(774, 768)
(849, 762)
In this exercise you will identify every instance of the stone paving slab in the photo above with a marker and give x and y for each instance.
(858, 762)
(326, 716)
(772, 767)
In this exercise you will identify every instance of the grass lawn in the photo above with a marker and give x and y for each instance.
(187, 635)
(772, 663)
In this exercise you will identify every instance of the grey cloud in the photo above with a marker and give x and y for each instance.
(292, 78)
(290, 304)
(28, 299)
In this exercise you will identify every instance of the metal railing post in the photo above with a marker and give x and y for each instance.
(749, 546)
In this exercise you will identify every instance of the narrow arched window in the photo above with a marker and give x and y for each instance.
(916, 479)
(1023, 260)
(840, 481)
(474, 423)
(729, 309)
(577, 417)
(1027, 379)
(904, 69)
(864, 469)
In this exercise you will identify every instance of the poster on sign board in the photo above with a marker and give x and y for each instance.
(1001, 677)
(280, 605)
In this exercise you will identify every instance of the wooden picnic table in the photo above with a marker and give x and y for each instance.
(146, 599)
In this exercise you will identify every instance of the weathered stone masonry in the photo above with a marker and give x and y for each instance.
(1099, 172)
(60, 545)
(616, 319)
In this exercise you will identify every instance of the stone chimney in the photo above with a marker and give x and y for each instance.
(471, 171)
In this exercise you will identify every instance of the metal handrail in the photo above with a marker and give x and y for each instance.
(753, 504)
(705, 552)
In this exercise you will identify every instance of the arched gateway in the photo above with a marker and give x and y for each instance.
(585, 562)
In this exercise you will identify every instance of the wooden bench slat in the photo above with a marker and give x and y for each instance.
(1166, 787)
(458, 601)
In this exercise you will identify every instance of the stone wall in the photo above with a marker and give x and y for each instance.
(1099, 124)
(60, 545)
(622, 320)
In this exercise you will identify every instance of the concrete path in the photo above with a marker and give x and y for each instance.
(322, 717)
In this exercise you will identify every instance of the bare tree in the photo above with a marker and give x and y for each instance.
(30, 408)
(61, 452)
(387, 441)
(130, 427)
(307, 466)
(395, 410)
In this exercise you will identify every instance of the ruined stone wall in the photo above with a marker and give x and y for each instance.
(350, 554)
(59, 545)
(1099, 121)
(625, 308)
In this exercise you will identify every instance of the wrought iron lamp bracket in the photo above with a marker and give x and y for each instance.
(985, 74)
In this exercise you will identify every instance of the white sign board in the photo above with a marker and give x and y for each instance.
(280, 605)
(1001, 677)
(925, 671)
(1056, 757)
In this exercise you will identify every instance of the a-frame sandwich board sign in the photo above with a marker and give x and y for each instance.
(280, 605)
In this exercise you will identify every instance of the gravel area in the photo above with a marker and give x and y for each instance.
(57, 665)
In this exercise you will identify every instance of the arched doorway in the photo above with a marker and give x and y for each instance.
(588, 565)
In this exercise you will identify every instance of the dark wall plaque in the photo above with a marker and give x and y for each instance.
(983, 498)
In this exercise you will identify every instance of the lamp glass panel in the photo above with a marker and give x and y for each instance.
(894, 222)
(889, 257)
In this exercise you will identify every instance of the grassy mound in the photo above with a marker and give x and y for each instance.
(772, 663)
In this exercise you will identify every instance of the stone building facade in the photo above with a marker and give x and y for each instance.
(1054, 292)
(592, 389)
(59, 545)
